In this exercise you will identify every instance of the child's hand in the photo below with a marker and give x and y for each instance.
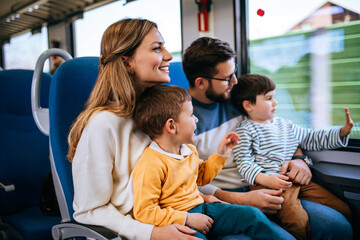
(276, 181)
(227, 143)
(200, 222)
(346, 129)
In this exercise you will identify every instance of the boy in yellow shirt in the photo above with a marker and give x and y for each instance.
(166, 177)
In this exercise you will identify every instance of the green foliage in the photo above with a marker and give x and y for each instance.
(287, 59)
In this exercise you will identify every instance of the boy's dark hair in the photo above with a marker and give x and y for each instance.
(203, 55)
(156, 105)
(248, 87)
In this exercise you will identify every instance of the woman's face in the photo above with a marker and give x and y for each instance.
(150, 61)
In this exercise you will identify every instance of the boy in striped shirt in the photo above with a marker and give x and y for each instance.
(267, 141)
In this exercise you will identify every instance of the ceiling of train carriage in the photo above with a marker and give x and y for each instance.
(17, 16)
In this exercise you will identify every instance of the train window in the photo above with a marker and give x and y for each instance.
(23, 50)
(311, 49)
(89, 30)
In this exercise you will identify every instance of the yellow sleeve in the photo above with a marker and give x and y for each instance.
(148, 176)
(208, 169)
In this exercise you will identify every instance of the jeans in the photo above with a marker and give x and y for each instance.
(325, 222)
(235, 219)
(283, 232)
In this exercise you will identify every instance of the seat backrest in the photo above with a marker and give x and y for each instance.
(177, 75)
(24, 150)
(70, 89)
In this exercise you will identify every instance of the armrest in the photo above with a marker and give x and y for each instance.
(6, 185)
(342, 174)
(74, 229)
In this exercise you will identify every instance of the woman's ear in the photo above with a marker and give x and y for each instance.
(170, 126)
(247, 105)
(201, 83)
(124, 58)
(127, 64)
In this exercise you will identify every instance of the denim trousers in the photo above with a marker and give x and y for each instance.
(236, 219)
(325, 222)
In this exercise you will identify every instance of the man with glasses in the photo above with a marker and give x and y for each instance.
(209, 65)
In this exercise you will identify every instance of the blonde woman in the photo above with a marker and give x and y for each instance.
(104, 144)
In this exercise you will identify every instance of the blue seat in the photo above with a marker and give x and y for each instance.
(69, 91)
(177, 75)
(24, 157)
(70, 88)
(73, 82)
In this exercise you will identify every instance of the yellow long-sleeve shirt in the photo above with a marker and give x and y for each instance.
(166, 187)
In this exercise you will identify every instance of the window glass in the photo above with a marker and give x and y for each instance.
(311, 49)
(89, 30)
(23, 51)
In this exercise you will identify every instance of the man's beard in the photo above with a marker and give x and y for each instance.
(210, 94)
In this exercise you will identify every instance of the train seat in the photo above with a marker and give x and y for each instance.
(69, 91)
(24, 157)
(177, 75)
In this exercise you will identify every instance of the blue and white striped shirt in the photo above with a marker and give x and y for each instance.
(264, 147)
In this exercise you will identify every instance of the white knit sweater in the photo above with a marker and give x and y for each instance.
(107, 152)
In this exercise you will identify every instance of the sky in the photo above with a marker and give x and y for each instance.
(168, 19)
(89, 30)
(279, 17)
(282, 15)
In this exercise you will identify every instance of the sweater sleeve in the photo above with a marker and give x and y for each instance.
(94, 183)
(208, 189)
(316, 140)
(210, 168)
(243, 155)
(148, 177)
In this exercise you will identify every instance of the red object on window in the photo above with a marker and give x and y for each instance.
(260, 12)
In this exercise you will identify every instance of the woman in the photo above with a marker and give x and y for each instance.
(104, 144)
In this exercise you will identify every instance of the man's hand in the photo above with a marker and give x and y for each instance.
(297, 171)
(173, 231)
(267, 200)
(199, 221)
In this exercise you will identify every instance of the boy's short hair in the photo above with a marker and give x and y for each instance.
(203, 55)
(156, 105)
(248, 87)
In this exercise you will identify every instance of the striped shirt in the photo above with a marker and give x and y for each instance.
(264, 147)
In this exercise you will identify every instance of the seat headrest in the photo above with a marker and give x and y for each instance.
(177, 75)
(15, 90)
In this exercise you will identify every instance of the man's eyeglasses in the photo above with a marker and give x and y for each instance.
(225, 79)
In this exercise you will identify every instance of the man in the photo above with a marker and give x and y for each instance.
(210, 68)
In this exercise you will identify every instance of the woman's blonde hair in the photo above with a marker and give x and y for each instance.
(114, 88)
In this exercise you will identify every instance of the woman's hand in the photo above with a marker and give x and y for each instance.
(227, 143)
(199, 221)
(173, 231)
